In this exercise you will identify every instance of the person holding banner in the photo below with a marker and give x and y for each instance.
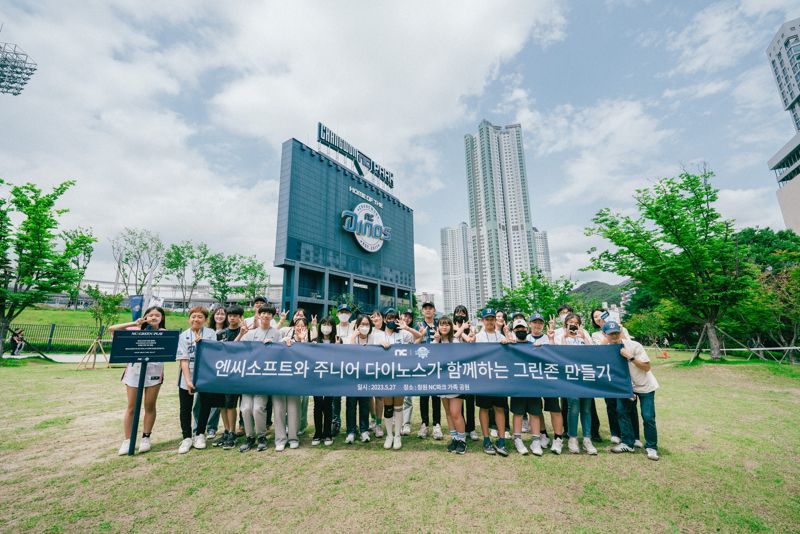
(427, 329)
(287, 407)
(187, 347)
(574, 334)
(152, 319)
(398, 333)
(323, 406)
(364, 334)
(499, 405)
(452, 402)
(376, 403)
(234, 317)
(344, 330)
(466, 334)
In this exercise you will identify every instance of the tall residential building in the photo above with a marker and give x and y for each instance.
(542, 252)
(784, 58)
(458, 277)
(499, 211)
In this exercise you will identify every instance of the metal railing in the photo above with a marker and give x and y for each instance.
(59, 338)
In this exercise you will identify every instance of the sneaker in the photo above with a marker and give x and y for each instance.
(536, 447)
(199, 441)
(315, 442)
(589, 447)
(493, 433)
(544, 440)
(526, 426)
(488, 448)
(474, 436)
(572, 445)
(437, 432)
(501, 450)
(262, 443)
(144, 445)
(372, 424)
(123, 449)
(461, 447)
(451, 447)
(638, 444)
(379, 431)
(336, 426)
(294, 444)
(615, 440)
(350, 438)
(389, 442)
(365, 437)
(230, 442)
(211, 434)
(406, 429)
(423, 431)
(520, 446)
(397, 442)
(185, 446)
(622, 448)
(221, 439)
(507, 435)
(555, 448)
(248, 444)
(652, 454)
(328, 442)
(279, 447)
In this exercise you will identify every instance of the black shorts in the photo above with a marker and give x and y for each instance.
(533, 405)
(214, 400)
(485, 403)
(231, 401)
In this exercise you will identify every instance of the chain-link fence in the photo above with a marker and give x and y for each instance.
(53, 338)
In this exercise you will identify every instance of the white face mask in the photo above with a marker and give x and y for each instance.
(326, 329)
(343, 317)
(363, 330)
(562, 317)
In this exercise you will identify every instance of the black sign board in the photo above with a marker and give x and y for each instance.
(135, 346)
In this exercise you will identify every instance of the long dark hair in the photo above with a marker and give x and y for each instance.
(383, 319)
(159, 309)
(327, 320)
(601, 310)
(305, 322)
(212, 322)
(360, 319)
(446, 320)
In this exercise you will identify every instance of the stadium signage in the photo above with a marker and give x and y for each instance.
(327, 137)
(366, 224)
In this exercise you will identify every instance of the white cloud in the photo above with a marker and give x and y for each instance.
(568, 254)
(751, 207)
(428, 272)
(696, 91)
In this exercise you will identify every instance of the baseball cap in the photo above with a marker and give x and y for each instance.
(611, 327)
(260, 298)
(343, 307)
(428, 303)
(520, 322)
(536, 317)
(488, 312)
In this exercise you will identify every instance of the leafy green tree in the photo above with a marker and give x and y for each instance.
(35, 260)
(82, 240)
(223, 273)
(104, 308)
(678, 247)
(253, 276)
(188, 264)
(769, 249)
(535, 293)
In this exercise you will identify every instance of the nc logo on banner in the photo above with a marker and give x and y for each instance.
(365, 222)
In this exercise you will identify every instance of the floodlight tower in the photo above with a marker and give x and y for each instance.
(16, 68)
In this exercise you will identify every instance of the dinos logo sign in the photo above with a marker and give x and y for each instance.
(365, 222)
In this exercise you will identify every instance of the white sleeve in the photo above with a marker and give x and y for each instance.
(183, 348)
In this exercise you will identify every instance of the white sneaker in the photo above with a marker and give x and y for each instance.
(397, 443)
(493, 433)
(507, 435)
(638, 444)
(328, 442)
(622, 448)
(536, 447)
(615, 440)
(406, 429)
(544, 440)
(652, 454)
(293, 444)
(589, 447)
(572, 445)
(423, 431)
(555, 448)
(315, 442)
(199, 441)
(144, 445)
(185, 446)
(378, 431)
(520, 446)
(351, 438)
(526, 426)
(372, 424)
(437, 432)
(474, 436)
(123, 449)
(365, 437)
(389, 440)
(280, 446)
(211, 434)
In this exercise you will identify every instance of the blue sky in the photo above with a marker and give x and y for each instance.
(171, 116)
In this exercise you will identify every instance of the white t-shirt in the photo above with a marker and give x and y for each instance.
(376, 337)
(400, 337)
(259, 334)
(249, 322)
(643, 382)
(187, 348)
(559, 337)
(543, 340)
(484, 337)
(344, 332)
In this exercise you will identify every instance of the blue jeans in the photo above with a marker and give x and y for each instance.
(362, 403)
(584, 406)
(647, 401)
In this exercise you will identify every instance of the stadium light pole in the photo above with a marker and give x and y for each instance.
(16, 68)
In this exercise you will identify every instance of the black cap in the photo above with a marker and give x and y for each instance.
(260, 298)
(428, 303)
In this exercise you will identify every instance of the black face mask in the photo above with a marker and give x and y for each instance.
(459, 319)
(391, 325)
(521, 334)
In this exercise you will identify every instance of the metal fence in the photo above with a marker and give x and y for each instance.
(59, 338)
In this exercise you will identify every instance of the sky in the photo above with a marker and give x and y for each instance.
(170, 115)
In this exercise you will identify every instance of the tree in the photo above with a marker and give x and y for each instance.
(35, 261)
(82, 240)
(535, 293)
(104, 307)
(769, 249)
(139, 255)
(679, 247)
(254, 277)
(223, 272)
(188, 264)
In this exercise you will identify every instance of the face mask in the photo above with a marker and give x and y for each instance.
(562, 317)
(460, 318)
(343, 317)
(521, 334)
(391, 325)
(363, 330)
(326, 329)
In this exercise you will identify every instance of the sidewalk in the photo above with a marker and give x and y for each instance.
(61, 358)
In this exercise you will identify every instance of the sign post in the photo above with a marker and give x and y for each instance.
(142, 347)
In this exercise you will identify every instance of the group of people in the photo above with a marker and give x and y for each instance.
(390, 417)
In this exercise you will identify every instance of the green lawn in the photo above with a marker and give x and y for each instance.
(729, 437)
(63, 317)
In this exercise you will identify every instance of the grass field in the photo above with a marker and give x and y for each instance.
(729, 436)
(63, 317)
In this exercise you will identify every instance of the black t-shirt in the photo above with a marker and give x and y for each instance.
(229, 334)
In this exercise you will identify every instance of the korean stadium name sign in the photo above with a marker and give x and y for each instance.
(327, 137)
(366, 224)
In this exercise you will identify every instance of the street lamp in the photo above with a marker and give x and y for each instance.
(16, 68)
